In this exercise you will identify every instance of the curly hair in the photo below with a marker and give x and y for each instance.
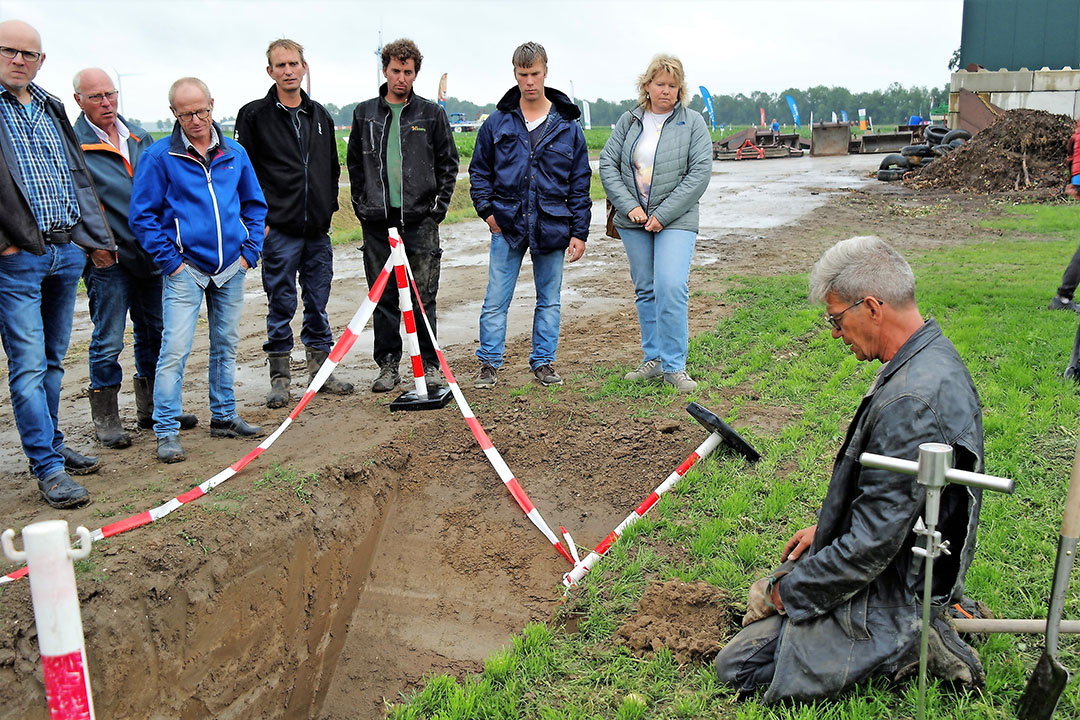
(402, 49)
(663, 63)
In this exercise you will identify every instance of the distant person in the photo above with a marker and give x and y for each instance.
(1064, 298)
(530, 180)
(124, 281)
(51, 218)
(197, 208)
(655, 167)
(403, 166)
(775, 127)
(291, 142)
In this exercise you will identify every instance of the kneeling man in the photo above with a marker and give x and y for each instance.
(845, 606)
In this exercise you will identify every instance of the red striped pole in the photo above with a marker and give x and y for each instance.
(406, 307)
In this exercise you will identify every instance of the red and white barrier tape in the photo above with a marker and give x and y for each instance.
(704, 450)
(406, 308)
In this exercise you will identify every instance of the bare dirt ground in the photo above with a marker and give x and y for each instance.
(405, 555)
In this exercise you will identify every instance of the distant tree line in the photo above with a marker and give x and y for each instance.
(890, 106)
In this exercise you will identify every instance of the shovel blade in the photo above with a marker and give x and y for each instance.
(1043, 690)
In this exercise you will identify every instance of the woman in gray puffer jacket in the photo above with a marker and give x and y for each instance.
(655, 167)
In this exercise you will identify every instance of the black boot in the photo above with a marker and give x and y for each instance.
(106, 416)
(279, 380)
(315, 359)
(144, 406)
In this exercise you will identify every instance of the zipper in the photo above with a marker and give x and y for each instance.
(217, 212)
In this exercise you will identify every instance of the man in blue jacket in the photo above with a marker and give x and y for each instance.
(197, 208)
(121, 281)
(530, 182)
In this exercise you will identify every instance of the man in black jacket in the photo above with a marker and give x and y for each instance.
(290, 140)
(403, 165)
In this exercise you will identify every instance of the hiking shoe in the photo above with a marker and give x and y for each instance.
(169, 449)
(60, 491)
(387, 380)
(1063, 303)
(78, 464)
(952, 659)
(1073, 373)
(487, 378)
(432, 377)
(547, 375)
(681, 381)
(233, 428)
(645, 371)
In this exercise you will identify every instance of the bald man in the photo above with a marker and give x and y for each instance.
(51, 218)
(121, 282)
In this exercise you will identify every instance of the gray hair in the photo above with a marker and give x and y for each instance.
(528, 53)
(861, 267)
(187, 81)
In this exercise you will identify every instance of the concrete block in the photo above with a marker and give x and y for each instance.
(985, 81)
(1062, 103)
(1058, 80)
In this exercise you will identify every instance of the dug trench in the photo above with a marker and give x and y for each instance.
(368, 549)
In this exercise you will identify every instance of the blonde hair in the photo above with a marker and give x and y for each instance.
(663, 63)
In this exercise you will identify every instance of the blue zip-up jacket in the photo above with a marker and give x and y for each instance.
(182, 212)
(541, 195)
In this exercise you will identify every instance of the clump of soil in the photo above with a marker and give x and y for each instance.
(690, 619)
(1021, 150)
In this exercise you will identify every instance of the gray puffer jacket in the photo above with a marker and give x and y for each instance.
(681, 170)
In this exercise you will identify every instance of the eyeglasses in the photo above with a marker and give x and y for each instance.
(98, 98)
(834, 320)
(187, 116)
(29, 56)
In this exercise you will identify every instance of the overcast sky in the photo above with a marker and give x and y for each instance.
(729, 46)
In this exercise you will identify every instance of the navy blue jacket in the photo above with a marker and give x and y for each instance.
(541, 195)
(183, 213)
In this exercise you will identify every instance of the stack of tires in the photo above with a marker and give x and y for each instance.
(939, 141)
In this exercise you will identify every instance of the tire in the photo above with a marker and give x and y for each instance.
(934, 134)
(943, 149)
(958, 142)
(894, 161)
(891, 174)
(957, 134)
(916, 151)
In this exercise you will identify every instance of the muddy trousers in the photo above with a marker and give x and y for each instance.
(424, 254)
(284, 258)
(749, 660)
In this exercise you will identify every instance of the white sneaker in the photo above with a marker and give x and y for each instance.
(645, 371)
(680, 381)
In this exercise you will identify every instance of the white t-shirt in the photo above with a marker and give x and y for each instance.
(645, 152)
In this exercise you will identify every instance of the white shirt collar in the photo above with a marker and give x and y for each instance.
(121, 131)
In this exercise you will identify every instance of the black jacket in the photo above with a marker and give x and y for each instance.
(429, 160)
(301, 188)
(18, 226)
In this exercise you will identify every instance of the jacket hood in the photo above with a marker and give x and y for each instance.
(512, 99)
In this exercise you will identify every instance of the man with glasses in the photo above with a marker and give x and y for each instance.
(197, 208)
(51, 215)
(290, 139)
(127, 280)
(845, 605)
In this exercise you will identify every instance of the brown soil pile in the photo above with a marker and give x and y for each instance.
(1021, 150)
(690, 619)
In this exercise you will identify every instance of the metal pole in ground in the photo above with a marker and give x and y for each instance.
(49, 557)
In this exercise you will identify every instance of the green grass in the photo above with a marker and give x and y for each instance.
(289, 480)
(732, 518)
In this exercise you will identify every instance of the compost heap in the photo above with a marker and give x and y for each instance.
(1021, 150)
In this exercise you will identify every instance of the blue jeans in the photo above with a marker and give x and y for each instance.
(181, 300)
(504, 265)
(112, 293)
(37, 303)
(285, 256)
(660, 269)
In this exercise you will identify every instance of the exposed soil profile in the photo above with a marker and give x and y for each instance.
(692, 620)
(387, 548)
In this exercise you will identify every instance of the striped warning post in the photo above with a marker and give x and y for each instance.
(704, 450)
(339, 351)
(406, 307)
(482, 439)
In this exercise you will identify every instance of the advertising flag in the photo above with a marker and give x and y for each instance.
(442, 92)
(707, 97)
(794, 109)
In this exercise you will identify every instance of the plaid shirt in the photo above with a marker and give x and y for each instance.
(42, 164)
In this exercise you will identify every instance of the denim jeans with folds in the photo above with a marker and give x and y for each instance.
(504, 265)
(37, 304)
(112, 294)
(181, 301)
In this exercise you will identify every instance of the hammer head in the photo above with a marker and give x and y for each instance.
(732, 439)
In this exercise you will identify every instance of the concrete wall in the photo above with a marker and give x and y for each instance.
(1056, 91)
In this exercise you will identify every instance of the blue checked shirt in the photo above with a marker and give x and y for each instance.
(39, 152)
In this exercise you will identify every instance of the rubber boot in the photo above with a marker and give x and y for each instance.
(106, 416)
(279, 380)
(315, 359)
(144, 406)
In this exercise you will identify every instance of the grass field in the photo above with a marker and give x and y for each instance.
(731, 519)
